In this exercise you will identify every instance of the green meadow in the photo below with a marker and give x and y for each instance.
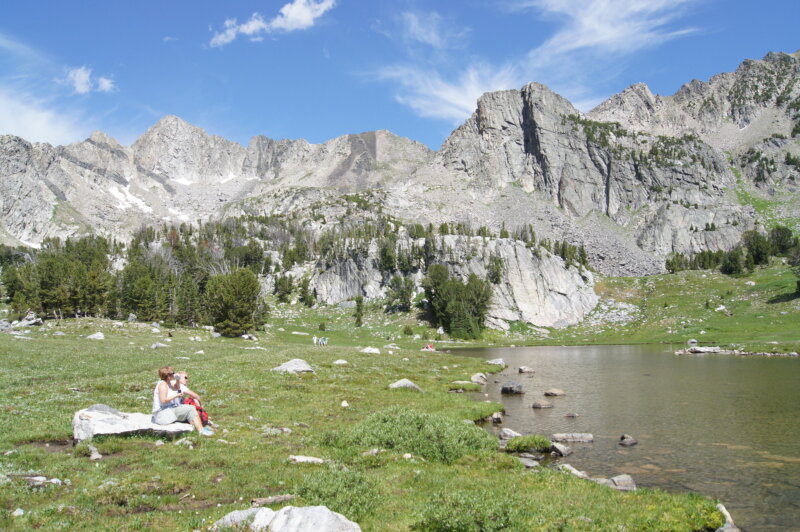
(455, 479)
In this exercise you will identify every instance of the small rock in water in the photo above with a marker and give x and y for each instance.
(542, 404)
(497, 417)
(526, 369)
(559, 449)
(570, 414)
(555, 392)
(497, 362)
(626, 440)
(507, 434)
(511, 388)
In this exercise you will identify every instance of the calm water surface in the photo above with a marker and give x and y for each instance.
(724, 426)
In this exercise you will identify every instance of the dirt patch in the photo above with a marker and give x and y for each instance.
(53, 446)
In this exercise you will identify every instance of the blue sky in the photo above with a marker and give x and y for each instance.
(317, 69)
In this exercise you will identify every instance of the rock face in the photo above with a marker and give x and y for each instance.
(102, 419)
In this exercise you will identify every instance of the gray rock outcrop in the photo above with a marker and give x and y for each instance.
(287, 519)
(101, 419)
(294, 366)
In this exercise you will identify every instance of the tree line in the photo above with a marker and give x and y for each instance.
(755, 249)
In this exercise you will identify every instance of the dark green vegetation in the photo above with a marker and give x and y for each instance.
(755, 250)
(526, 444)
(206, 275)
(138, 485)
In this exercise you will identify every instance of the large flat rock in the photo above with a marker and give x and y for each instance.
(102, 419)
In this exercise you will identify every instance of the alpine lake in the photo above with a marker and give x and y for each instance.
(720, 425)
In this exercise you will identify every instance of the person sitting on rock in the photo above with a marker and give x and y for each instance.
(190, 397)
(167, 408)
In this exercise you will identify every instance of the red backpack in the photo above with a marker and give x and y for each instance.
(202, 413)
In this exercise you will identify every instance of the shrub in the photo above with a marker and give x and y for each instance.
(322, 326)
(408, 330)
(432, 436)
(350, 493)
(526, 444)
(460, 511)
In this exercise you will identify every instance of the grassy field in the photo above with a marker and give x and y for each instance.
(139, 485)
(757, 312)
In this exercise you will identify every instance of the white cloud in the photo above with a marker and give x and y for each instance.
(81, 79)
(168, 38)
(590, 36)
(609, 26)
(296, 15)
(22, 115)
(429, 29)
(431, 96)
(105, 84)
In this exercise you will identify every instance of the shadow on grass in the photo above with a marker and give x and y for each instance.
(784, 298)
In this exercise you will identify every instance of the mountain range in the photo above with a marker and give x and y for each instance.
(635, 179)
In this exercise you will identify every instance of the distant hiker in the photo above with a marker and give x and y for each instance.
(314, 339)
(167, 408)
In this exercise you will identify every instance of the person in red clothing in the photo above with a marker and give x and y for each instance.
(190, 397)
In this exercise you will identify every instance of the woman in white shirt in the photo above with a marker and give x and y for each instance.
(167, 407)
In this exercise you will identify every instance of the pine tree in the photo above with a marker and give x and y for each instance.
(232, 302)
(359, 313)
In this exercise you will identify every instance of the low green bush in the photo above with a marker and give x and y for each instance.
(460, 511)
(350, 493)
(431, 436)
(526, 444)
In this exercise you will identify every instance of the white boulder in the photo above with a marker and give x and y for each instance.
(405, 383)
(294, 366)
(97, 336)
(288, 519)
(102, 419)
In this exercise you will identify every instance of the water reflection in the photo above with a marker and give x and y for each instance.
(720, 425)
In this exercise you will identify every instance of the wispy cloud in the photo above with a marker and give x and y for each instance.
(82, 81)
(105, 84)
(432, 96)
(296, 15)
(430, 29)
(589, 35)
(38, 121)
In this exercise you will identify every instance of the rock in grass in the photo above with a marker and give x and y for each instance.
(571, 470)
(158, 345)
(555, 392)
(96, 336)
(19, 512)
(299, 459)
(584, 437)
(371, 350)
(102, 419)
(542, 404)
(95, 454)
(294, 366)
(405, 383)
(288, 519)
(528, 463)
(511, 388)
(497, 362)
(340, 362)
(626, 440)
(479, 378)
